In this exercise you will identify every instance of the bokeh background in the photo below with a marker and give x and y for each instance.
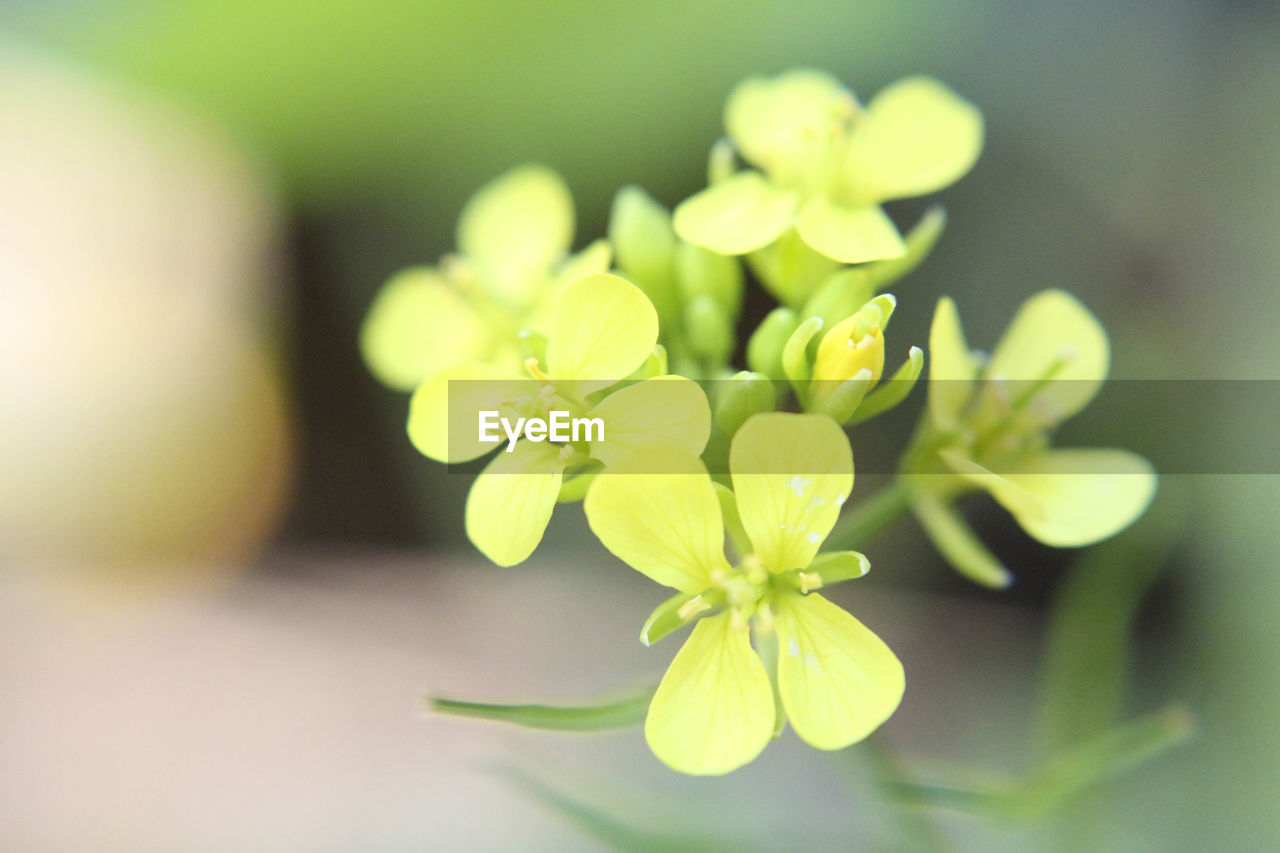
(228, 578)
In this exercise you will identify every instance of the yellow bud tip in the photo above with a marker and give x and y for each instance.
(692, 608)
(810, 581)
(531, 365)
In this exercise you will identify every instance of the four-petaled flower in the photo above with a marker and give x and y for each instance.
(715, 709)
(987, 426)
(826, 164)
(603, 330)
(513, 237)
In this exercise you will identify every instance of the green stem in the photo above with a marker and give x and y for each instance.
(870, 517)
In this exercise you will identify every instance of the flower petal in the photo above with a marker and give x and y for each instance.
(444, 413)
(916, 137)
(851, 235)
(418, 325)
(662, 410)
(1085, 495)
(656, 510)
(515, 227)
(713, 711)
(776, 121)
(837, 679)
(951, 367)
(738, 215)
(511, 502)
(603, 330)
(1053, 328)
(791, 474)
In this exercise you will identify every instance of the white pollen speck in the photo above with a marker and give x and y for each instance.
(782, 527)
(840, 499)
(798, 484)
(814, 538)
(811, 661)
(792, 648)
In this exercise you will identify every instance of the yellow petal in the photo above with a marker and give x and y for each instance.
(837, 679)
(738, 215)
(916, 137)
(1053, 328)
(851, 235)
(791, 474)
(444, 413)
(418, 325)
(713, 711)
(515, 227)
(776, 122)
(663, 410)
(604, 328)
(656, 510)
(951, 367)
(512, 500)
(1085, 495)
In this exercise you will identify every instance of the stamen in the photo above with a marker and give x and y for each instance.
(531, 365)
(692, 608)
(809, 581)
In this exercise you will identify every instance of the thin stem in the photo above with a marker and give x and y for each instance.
(870, 517)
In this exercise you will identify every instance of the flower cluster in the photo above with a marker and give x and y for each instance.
(639, 334)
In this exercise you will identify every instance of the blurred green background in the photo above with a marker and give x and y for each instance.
(1133, 158)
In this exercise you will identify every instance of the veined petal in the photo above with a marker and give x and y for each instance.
(851, 235)
(837, 679)
(951, 367)
(713, 711)
(1013, 497)
(791, 474)
(1085, 495)
(663, 410)
(917, 136)
(516, 226)
(604, 328)
(1053, 335)
(511, 502)
(444, 413)
(418, 325)
(777, 121)
(656, 510)
(738, 215)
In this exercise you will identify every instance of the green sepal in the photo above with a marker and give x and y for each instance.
(919, 241)
(893, 392)
(795, 355)
(701, 272)
(732, 519)
(628, 710)
(656, 363)
(644, 247)
(957, 542)
(709, 332)
(841, 403)
(666, 617)
(721, 162)
(741, 396)
(764, 349)
(575, 488)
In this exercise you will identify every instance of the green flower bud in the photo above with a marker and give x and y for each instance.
(764, 350)
(640, 230)
(840, 295)
(742, 396)
(709, 330)
(701, 271)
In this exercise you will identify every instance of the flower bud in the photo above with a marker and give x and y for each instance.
(855, 343)
(640, 231)
(764, 350)
(709, 330)
(742, 396)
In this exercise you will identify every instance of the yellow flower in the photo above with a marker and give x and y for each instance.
(825, 164)
(988, 425)
(603, 331)
(513, 237)
(715, 710)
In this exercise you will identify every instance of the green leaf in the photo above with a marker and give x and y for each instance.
(620, 713)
